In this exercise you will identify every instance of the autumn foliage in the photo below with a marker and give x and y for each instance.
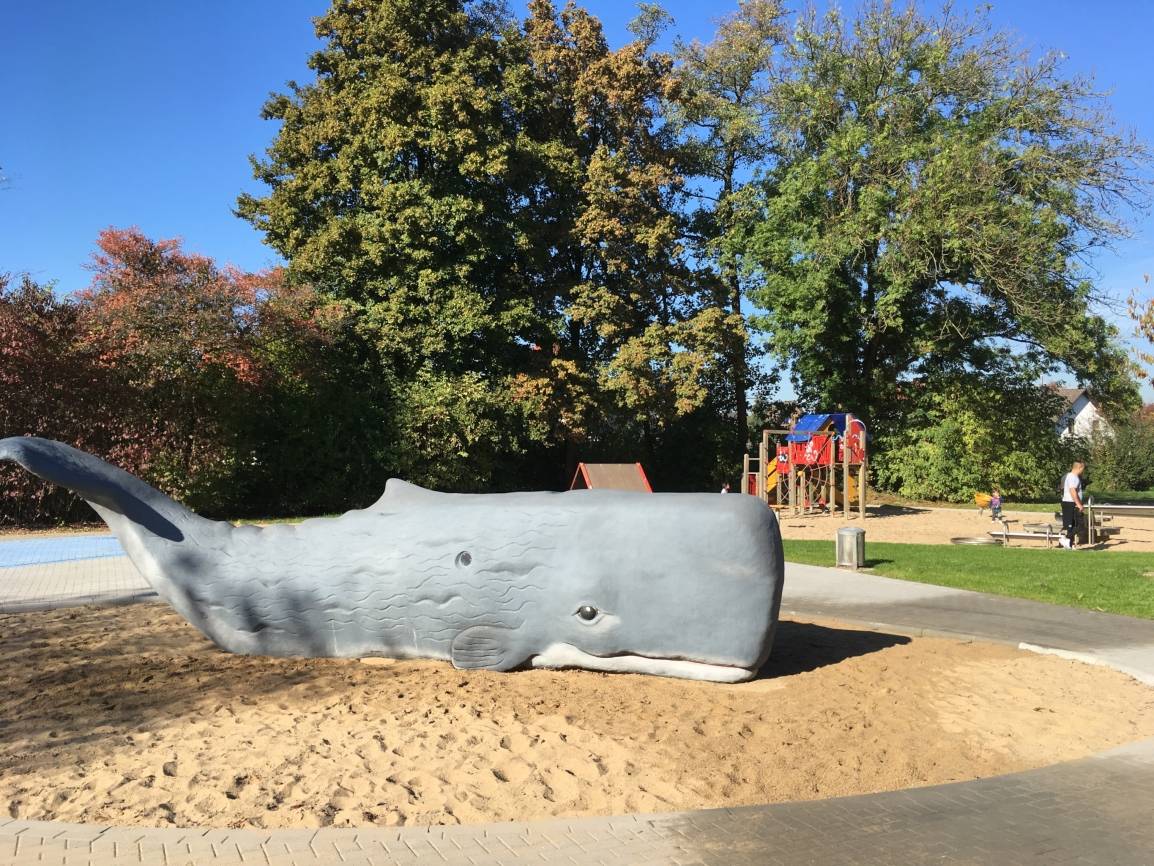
(184, 372)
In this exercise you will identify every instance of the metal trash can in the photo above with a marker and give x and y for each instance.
(850, 547)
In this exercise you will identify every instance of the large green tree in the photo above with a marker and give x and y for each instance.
(503, 202)
(639, 319)
(392, 184)
(933, 196)
(723, 103)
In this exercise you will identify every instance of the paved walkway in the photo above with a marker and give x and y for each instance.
(45, 585)
(1094, 811)
(1122, 642)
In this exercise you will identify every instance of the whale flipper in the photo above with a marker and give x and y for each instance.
(100, 484)
(491, 647)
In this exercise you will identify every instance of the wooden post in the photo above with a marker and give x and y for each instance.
(831, 497)
(845, 466)
(745, 474)
(861, 485)
(763, 467)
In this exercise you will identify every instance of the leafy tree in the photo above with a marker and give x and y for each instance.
(245, 383)
(503, 205)
(724, 102)
(1141, 310)
(239, 393)
(174, 327)
(638, 314)
(53, 386)
(392, 186)
(933, 193)
(1124, 460)
(964, 435)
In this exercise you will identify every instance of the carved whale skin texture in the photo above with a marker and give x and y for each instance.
(674, 584)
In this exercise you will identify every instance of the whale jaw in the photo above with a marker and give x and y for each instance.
(563, 655)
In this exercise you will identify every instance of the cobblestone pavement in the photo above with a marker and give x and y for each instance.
(1094, 811)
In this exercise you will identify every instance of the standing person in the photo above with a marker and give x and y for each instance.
(1071, 504)
(725, 487)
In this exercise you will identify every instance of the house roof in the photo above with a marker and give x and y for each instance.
(1070, 395)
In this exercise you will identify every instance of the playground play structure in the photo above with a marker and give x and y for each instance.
(819, 465)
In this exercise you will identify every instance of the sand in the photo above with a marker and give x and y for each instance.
(126, 715)
(924, 525)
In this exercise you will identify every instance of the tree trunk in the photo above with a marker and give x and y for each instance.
(740, 373)
(738, 368)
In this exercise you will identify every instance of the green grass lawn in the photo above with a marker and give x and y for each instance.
(1095, 579)
(1133, 497)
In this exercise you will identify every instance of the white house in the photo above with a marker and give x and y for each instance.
(1080, 417)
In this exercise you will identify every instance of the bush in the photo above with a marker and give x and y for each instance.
(54, 386)
(1124, 461)
(973, 435)
(238, 394)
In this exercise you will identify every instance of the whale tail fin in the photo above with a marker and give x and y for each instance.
(111, 491)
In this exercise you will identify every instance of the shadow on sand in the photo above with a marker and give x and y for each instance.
(805, 646)
(895, 510)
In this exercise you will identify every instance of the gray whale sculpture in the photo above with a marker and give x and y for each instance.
(685, 585)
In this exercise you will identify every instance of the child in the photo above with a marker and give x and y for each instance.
(995, 504)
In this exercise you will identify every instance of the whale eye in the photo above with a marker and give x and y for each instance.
(587, 612)
(463, 558)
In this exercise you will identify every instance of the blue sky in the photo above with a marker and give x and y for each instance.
(137, 112)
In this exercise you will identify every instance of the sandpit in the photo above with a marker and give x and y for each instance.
(925, 525)
(127, 716)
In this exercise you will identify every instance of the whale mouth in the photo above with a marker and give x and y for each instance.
(563, 655)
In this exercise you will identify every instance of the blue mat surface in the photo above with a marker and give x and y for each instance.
(36, 551)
